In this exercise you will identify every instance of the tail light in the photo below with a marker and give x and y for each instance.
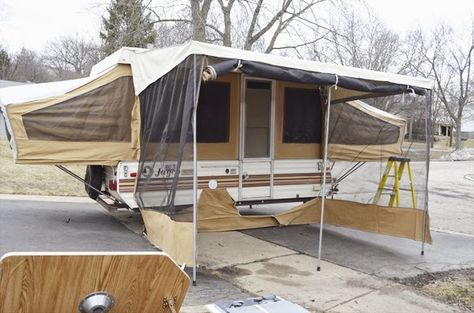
(112, 185)
(133, 174)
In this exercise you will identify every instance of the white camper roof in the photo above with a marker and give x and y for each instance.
(146, 69)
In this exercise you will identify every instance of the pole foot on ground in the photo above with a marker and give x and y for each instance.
(318, 268)
(194, 283)
(422, 252)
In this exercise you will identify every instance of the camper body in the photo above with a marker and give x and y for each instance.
(244, 144)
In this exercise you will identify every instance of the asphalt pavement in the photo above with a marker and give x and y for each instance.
(374, 254)
(61, 226)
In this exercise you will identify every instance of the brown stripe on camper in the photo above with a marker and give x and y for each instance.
(300, 179)
(162, 184)
(229, 181)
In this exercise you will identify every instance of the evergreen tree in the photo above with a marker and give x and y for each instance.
(127, 24)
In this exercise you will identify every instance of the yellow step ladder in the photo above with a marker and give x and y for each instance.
(398, 164)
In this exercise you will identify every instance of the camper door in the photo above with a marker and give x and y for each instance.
(256, 144)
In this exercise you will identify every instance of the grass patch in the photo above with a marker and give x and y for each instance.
(442, 141)
(454, 287)
(46, 180)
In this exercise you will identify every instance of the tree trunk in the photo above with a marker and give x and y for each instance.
(199, 19)
(450, 136)
(227, 39)
(459, 143)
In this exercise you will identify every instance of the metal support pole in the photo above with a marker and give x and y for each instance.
(429, 105)
(74, 175)
(323, 187)
(194, 173)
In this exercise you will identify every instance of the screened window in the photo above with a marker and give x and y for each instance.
(302, 116)
(350, 126)
(102, 114)
(213, 113)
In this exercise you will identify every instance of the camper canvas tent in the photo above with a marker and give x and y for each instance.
(143, 105)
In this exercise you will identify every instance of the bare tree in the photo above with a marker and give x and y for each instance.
(448, 62)
(71, 57)
(171, 35)
(360, 39)
(28, 67)
(251, 25)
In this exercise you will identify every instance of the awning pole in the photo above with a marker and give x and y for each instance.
(323, 187)
(194, 173)
(428, 108)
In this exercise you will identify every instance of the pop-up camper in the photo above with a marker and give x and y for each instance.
(264, 129)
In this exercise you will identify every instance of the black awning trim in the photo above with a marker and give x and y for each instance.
(258, 69)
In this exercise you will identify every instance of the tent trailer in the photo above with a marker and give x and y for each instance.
(258, 137)
(160, 129)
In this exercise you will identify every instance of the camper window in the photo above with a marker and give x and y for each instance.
(302, 116)
(213, 113)
(102, 114)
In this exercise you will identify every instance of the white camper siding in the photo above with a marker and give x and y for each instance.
(292, 179)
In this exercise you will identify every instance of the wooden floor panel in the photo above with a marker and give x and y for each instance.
(53, 282)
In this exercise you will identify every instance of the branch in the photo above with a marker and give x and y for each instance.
(299, 45)
(252, 24)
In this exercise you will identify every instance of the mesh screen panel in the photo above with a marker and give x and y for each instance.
(362, 184)
(103, 114)
(350, 126)
(165, 165)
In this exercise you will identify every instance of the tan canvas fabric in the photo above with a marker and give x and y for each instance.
(94, 115)
(174, 238)
(217, 212)
(92, 153)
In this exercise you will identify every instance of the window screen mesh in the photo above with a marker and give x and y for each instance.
(302, 116)
(350, 126)
(213, 112)
(165, 166)
(103, 114)
(360, 181)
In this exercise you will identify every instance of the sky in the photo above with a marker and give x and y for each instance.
(32, 23)
(403, 15)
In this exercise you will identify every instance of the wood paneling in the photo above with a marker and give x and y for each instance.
(57, 282)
